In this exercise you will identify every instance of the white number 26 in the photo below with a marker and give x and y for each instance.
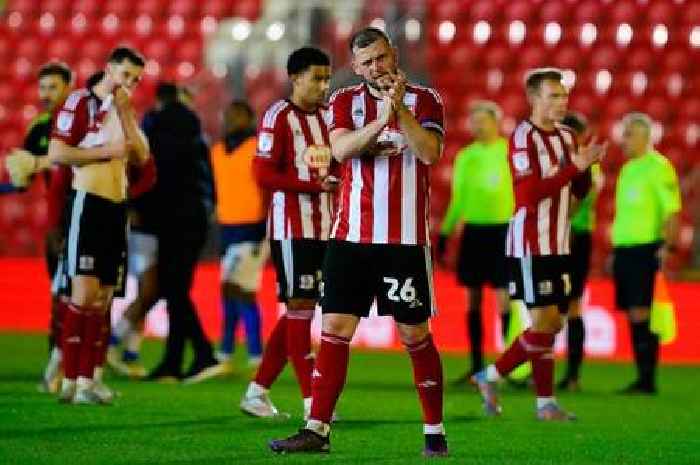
(407, 292)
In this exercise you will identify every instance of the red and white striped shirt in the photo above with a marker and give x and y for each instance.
(384, 200)
(544, 178)
(299, 208)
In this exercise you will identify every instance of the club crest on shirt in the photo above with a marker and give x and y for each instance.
(521, 161)
(64, 121)
(265, 142)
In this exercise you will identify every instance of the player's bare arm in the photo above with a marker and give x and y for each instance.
(346, 143)
(64, 154)
(136, 145)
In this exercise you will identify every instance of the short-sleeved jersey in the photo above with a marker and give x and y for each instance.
(647, 193)
(81, 120)
(384, 199)
(544, 178)
(482, 190)
(299, 208)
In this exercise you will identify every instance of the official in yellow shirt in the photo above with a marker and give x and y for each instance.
(647, 202)
(241, 216)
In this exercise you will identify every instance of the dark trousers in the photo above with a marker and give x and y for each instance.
(179, 246)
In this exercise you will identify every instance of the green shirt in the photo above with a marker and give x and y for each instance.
(482, 190)
(647, 195)
(583, 219)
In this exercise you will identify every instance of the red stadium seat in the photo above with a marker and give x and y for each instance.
(570, 57)
(249, 9)
(658, 108)
(31, 48)
(640, 58)
(184, 8)
(152, 8)
(158, 49)
(606, 57)
(498, 56)
(555, 11)
(533, 57)
(190, 50)
(662, 13)
(676, 61)
(484, 10)
(691, 13)
(625, 11)
(121, 8)
(59, 8)
(519, 10)
(28, 8)
(215, 8)
(590, 11)
(89, 8)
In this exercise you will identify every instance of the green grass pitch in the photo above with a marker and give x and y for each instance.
(175, 424)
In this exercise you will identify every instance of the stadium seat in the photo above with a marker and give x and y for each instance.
(89, 8)
(28, 8)
(590, 11)
(555, 11)
(484, 10)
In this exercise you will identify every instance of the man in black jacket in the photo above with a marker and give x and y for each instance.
(184, 197)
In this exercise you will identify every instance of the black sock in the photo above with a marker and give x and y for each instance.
(505, 324)
(645, 345)
(576, 334)
(475, 338)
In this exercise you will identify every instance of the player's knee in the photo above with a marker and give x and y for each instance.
(339, 324)
(413, 334)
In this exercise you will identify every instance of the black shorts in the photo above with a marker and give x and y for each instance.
(581, 247)
(96, 239)
(398, 276)
(298, 264)
(634, 270)
(541, 281)
(482, 256)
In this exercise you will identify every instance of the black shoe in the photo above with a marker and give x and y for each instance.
(304, 441)
(435, 446)
(639, 388)
(163, 374)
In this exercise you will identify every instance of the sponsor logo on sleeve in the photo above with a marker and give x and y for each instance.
(265, 143)
(521, 162)
(64, 121)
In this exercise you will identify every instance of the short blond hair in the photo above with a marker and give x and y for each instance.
(488, 107)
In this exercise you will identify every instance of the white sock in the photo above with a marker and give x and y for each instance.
(255, 390)
(132, 341)
(97, 374)
(121, 329)
(307, 405)
(67, 384)
(54, 364)
(492, 374)
(83, 382)
(318, 427)
(542, 401)
(433, 429)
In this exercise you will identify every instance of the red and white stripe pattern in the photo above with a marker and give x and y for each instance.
(295, 215)
(384, 200)
(539, 226)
